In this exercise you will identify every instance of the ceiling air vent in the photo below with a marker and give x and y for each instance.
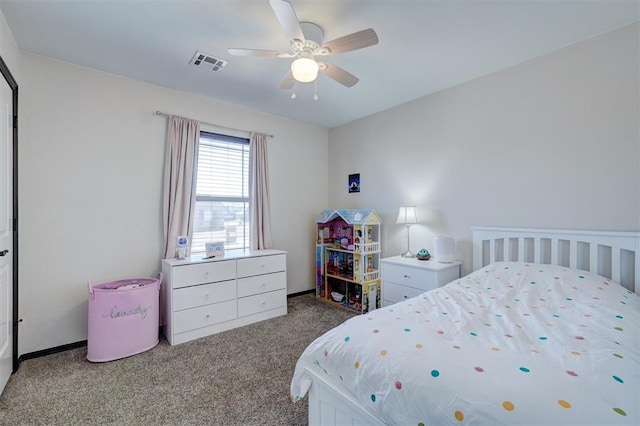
(207, 62)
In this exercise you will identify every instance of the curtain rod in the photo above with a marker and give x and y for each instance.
(210, 124)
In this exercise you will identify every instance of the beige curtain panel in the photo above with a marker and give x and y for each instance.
(259, 209)
(183, 135)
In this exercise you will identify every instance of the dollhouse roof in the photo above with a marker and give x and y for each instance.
(350, 216)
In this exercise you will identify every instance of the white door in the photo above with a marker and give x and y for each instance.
(6, 233)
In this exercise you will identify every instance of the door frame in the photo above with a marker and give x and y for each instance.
(13, 84)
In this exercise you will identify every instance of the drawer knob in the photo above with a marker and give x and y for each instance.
(206, 295)
(263, 284)
(407, 276)
(406, 297)
(263, 303)
(208, 316)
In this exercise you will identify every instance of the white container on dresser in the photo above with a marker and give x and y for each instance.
(201, 297)
(403, 278)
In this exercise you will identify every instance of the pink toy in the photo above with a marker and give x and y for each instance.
(124, 318)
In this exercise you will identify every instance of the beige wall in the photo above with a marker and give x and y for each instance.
(9, 50)
(550, 143)
(91, 163)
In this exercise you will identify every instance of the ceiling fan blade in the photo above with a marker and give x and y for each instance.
(338, 74)
(288, 81)
(288, 20)
(355, 41)
(255, 52)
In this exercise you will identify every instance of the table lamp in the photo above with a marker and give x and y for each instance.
(407, 216)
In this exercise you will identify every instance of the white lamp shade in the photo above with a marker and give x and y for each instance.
(407, 215)
(304, 70)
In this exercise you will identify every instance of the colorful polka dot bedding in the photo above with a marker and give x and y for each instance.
(512, 343)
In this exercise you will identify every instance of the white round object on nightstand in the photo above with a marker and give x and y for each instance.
(444, 248)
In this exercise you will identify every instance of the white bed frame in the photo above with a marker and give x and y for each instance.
(614, 255)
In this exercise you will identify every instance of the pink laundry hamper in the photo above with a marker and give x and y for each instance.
(124, 318)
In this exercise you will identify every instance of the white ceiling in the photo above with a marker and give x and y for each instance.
(425, 46)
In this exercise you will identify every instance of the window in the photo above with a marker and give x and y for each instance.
(222, 193)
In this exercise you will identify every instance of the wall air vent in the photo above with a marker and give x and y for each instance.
(207, 62)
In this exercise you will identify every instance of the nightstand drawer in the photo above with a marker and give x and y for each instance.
(204, 316)
(261, 265)
(420, 279)
(261, 302)
(206, 294)
(397, 293)
(202, 273)
(261, 284)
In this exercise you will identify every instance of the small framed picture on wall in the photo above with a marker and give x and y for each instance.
(354, 182)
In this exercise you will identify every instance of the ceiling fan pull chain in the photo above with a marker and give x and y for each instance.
(315, 89)
(293, 94)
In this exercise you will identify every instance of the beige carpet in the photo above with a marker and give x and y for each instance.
(239, 377)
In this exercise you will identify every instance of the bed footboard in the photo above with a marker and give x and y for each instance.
(331, 406)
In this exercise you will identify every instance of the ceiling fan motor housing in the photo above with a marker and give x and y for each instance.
(312, 32)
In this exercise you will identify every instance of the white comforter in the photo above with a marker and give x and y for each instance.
(510, 343)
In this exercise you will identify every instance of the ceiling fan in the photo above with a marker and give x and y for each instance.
(307, 43)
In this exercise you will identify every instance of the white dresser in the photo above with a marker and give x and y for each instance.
(403, 278)
(206, 296)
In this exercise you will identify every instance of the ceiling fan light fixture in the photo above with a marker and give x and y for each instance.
(304, 69)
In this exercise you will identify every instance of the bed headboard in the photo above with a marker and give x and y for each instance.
(615, 255)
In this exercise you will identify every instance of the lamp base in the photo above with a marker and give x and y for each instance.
(408, 254)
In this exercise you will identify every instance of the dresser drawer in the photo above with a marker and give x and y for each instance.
(205, 294)
(261, 302)
(397, 293)
(261, 265)
(261, 284)
(420, 279)
(202, 273)
(204, 316)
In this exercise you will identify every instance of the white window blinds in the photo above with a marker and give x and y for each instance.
(222, 193)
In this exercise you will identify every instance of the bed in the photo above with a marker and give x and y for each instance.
(544, 331)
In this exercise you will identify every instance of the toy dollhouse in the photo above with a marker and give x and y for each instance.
(348, 258)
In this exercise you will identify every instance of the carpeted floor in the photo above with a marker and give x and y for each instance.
(239, 377)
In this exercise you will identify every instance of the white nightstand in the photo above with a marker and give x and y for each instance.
(403, 278)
